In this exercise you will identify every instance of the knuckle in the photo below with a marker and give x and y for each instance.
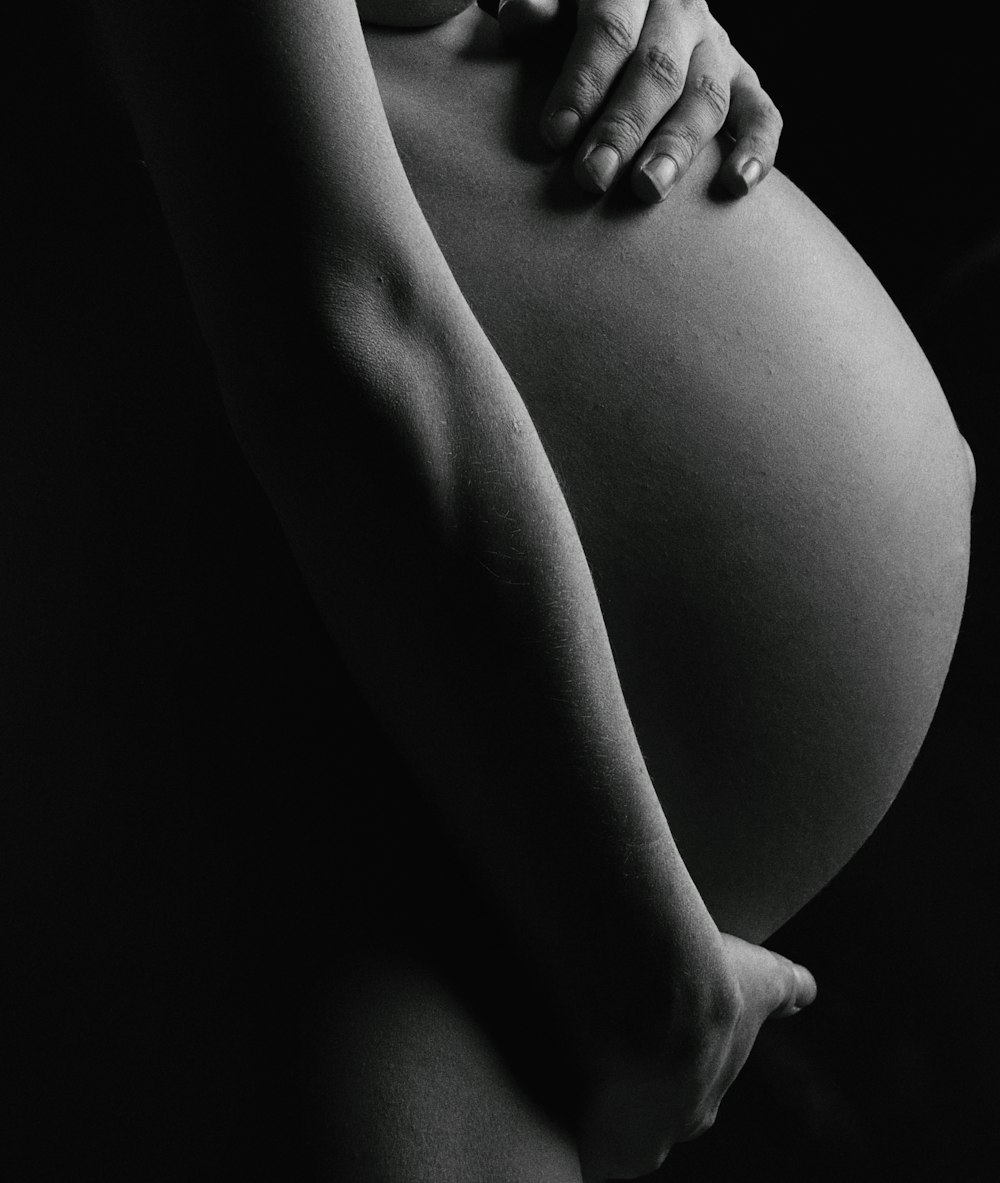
(725, 1007)
(713, 94)
(624, 129)
(758, 104)
(748, 75)
(719, 34)
(681, 142)
(762, 147)
(612, 29)
(769, 115)
(585, 88)
(663, 67)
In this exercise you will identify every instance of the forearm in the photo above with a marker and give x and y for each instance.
(413, 487)
(437, 543)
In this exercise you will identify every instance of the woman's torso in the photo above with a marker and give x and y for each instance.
(764, 472)
(762, 468)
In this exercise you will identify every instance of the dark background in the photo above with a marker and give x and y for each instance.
(889, 116)
(147, 594)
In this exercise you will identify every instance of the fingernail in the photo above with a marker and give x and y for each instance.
(600, 165)
(807, 986)
(659, 174)
(750, 172)
(559, 130)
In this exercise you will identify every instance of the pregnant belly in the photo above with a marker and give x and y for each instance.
(764, 472)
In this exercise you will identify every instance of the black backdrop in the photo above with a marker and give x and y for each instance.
(891, 1074)
(889, 114)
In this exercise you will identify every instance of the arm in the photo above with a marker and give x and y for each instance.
(428, 523)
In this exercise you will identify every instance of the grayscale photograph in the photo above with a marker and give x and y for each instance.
(499, 624)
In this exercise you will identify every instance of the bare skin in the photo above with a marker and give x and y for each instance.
(749, 558)
(741, 427)
(772, 496)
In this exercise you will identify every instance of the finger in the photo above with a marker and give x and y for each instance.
(769, 983)
(650, 85)
(782, 987)
(607, 33)
(755, 123)
(693, 123)
(771, 986)
(800, 991)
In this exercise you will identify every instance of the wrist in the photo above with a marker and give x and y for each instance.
(665, 987)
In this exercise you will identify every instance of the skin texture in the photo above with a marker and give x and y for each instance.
(767, 480)
(648, 83)
(399, 1011)
(430, 529)
(774, 502)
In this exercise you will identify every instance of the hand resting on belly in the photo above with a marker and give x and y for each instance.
(767, 480)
